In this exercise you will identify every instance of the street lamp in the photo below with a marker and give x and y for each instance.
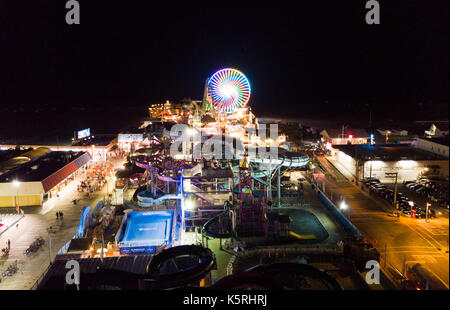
(343, 206)
(16, 184)
(427, 211)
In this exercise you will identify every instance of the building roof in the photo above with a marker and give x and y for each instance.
(335, 133)
(48, 168)
(6, 154)
(27, 157)
(387, 152)
(440, 140)
(79, 244)
(136, 264)
(97, 140)
(55, 178)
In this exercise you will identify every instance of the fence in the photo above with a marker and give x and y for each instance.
(41, 277)
(339, 216)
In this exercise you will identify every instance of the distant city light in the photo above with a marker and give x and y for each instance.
(16, 183)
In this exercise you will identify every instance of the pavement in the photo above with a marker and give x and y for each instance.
(35, 224)
(8, 220)
(404, 238)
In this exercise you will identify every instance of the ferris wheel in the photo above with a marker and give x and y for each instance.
(228, 89)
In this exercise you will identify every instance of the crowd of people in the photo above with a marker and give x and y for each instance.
(96, 178)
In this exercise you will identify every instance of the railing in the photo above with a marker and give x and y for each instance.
(338, 215)
(41, 277)
(64, 248)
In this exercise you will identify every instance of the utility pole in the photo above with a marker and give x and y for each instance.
(395, 190)
(393, 175)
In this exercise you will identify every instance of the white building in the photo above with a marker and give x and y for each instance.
(362, 161)
(434, 145)
(346, 136)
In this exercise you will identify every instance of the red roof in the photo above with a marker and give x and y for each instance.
(54, 179)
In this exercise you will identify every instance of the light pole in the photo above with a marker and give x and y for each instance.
(114, 189)
(387, 135)
(16, 184)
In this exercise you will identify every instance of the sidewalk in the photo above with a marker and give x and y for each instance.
(8, 221)
(33, 225)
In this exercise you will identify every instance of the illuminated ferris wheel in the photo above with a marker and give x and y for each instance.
(228, 89)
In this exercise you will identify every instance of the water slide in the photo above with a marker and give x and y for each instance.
(138, 178)
(289, 276)
(218, 226)
(190, 186)
(81, 229)
(145, 200)
(172, 268)
(284, 159)
(180, 266)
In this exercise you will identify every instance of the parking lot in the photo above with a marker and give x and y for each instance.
(421, 199)
(412, 197)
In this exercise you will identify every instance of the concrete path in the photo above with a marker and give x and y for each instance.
(35, 224)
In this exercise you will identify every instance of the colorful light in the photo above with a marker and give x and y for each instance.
(228, 89)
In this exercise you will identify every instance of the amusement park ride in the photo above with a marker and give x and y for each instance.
(224, 199)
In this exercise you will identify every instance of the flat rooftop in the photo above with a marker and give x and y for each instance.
(41, 168)
(10, 153)
(440, 140)
(387, 152)
(100, 140)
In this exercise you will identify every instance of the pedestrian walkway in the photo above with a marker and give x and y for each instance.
(34, 225)
(7, 221)
(344, 171)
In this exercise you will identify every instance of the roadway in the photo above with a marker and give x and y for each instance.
(414, 240)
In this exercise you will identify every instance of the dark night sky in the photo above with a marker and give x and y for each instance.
(131, 53)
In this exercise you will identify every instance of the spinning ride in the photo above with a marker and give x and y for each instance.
(228, 89)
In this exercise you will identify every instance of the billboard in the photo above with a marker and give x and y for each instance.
(84, 133)
(130, 137)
